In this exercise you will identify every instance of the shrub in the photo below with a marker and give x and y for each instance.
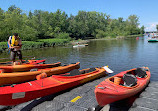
(100, 33)
(62, 36)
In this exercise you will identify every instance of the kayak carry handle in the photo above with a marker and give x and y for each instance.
(41, 76)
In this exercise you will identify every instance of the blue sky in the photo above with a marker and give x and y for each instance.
(146, 10)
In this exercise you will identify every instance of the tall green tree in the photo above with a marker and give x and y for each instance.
(12, 22)
(132, 24)
(43, 24)
(157, 28)
(142, 30)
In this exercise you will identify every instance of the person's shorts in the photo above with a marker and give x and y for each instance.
(14, 53)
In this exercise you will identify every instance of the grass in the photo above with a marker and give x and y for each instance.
(38, 44)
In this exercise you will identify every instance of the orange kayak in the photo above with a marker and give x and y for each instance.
(18, 77)
(38, 88)
(122, 85)
(26, 67)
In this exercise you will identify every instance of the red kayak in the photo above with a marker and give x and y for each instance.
(33, 61)
(42, 87)
(122, 85)
(8, 63)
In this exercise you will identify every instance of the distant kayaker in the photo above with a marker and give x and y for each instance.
(14, 44)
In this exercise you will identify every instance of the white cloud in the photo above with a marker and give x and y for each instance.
(151, 26)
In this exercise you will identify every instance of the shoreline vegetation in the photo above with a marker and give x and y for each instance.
(41, 43)
(27, 45)
(46, 29)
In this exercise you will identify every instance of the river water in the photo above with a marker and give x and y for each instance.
(119, 55)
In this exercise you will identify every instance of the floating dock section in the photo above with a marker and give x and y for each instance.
(82, 98)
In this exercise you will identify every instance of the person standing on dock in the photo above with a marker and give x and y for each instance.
(15, 44)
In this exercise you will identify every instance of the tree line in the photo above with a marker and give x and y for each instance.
(43, 25)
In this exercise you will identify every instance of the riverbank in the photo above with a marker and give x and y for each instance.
(27, 45)
(118, 37)
(74, 42)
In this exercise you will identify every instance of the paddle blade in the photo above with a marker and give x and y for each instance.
(108, 69)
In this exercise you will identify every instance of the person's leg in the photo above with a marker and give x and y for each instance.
(20, 55)
(12, 56)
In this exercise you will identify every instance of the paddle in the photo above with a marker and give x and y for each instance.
(108, 69)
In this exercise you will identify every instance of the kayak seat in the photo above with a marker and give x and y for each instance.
(74, 72)
(129, 80)
(64, 65)
(82, 72)
(34, 69)
(140, 72)
(90, 70)
(26, 61)
(87, 71)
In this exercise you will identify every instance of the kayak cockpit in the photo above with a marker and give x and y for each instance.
(129, 79)
(76, 72)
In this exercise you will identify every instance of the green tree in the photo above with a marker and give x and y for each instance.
(157, 28)
(132, 24)
(85, 24)
(43, 24)
(12, 22)
(12, 8)
(142, 30)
